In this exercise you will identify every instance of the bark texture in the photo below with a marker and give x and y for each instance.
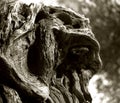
(47, 55)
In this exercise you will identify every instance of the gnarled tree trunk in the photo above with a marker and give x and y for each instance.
(47, 55)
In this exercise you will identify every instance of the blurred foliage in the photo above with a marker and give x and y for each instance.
(105, 21)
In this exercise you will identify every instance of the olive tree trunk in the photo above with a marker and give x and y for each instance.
(47, 54)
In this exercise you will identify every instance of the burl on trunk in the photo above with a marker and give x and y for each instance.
(47, 55)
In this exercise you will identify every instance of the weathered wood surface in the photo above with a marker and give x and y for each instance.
(47, 55)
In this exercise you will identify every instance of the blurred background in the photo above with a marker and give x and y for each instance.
(104, 16)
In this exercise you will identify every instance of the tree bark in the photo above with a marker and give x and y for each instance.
(47, 55)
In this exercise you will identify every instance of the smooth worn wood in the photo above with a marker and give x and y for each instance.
(47, 55)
